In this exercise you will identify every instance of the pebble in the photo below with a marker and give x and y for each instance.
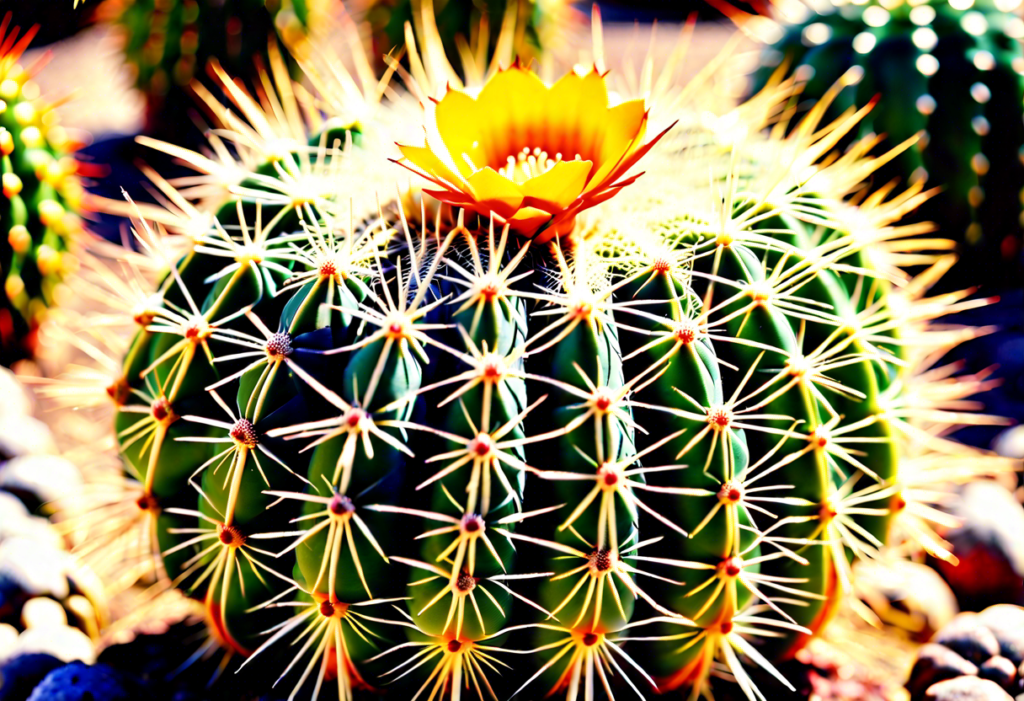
(1007, 623)
(80, 682)
(19, 675)
(967, 636)
(46, 477)
(1000, 670)
(934, 664)
(967, 689)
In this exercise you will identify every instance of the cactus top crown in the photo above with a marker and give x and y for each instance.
(534, 155)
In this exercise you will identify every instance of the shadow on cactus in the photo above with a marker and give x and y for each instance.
(548, 425)
(947, 71)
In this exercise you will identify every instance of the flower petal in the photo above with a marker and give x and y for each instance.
(425, 159)
(556, 189)
(578, 114)
(624, 133)
(515, 102)
(459, 124)
(528, 219)
(495, 193)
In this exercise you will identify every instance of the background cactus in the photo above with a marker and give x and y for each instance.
(41, 197)
(667, 430)
(471, 23)
(168, 43)
(949, 71)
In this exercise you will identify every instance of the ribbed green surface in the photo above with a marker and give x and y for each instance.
(949, 71)
(674, 440)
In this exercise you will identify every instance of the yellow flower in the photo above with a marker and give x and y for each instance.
(533, 155)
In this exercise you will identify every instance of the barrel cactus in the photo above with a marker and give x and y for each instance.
(41, 195)
(950, 72)
(168, 44)
(539, 414)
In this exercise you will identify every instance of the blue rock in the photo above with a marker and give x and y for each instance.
(78, 681)
(20, 675)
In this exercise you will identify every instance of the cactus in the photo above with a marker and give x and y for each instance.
(468, 24)
(41, 195)
(603, 446)
(948, 71)
(168, 44)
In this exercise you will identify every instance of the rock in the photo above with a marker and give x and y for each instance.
(989, 546)
(42, 478)
(17, 401)
(24, 435)
(967, 636)
(936, 663)
(999, 670)
(20, 675)
(1010, 443)
(61, 641)
(80, 682)
(909, 595)
(1007, 623)
(967, 689)
(33, 567)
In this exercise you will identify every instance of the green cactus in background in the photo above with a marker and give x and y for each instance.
(466, 23)
(168, 44)
(41, 195)
(398, 437)
(950, 72)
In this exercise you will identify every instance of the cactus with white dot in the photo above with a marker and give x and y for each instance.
(41, 194)
(947, 71)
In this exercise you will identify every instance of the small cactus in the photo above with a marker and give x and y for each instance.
(468, 24)
(949, 72)
(604, 445)
(41, 197)
(168, 44)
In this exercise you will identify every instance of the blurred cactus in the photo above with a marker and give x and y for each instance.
(41, 195)
(950, 72)
(168, 44)
(468, 25)
(641, 441)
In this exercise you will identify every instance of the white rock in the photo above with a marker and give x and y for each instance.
(35, 568)
(48, 477)
(62, 642)
(16, 401)
(24, 435)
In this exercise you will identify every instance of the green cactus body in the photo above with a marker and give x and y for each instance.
(38, 209)
(460, 23)
(947, 71)
(349, 390)
(624, 454)
(168, 43)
